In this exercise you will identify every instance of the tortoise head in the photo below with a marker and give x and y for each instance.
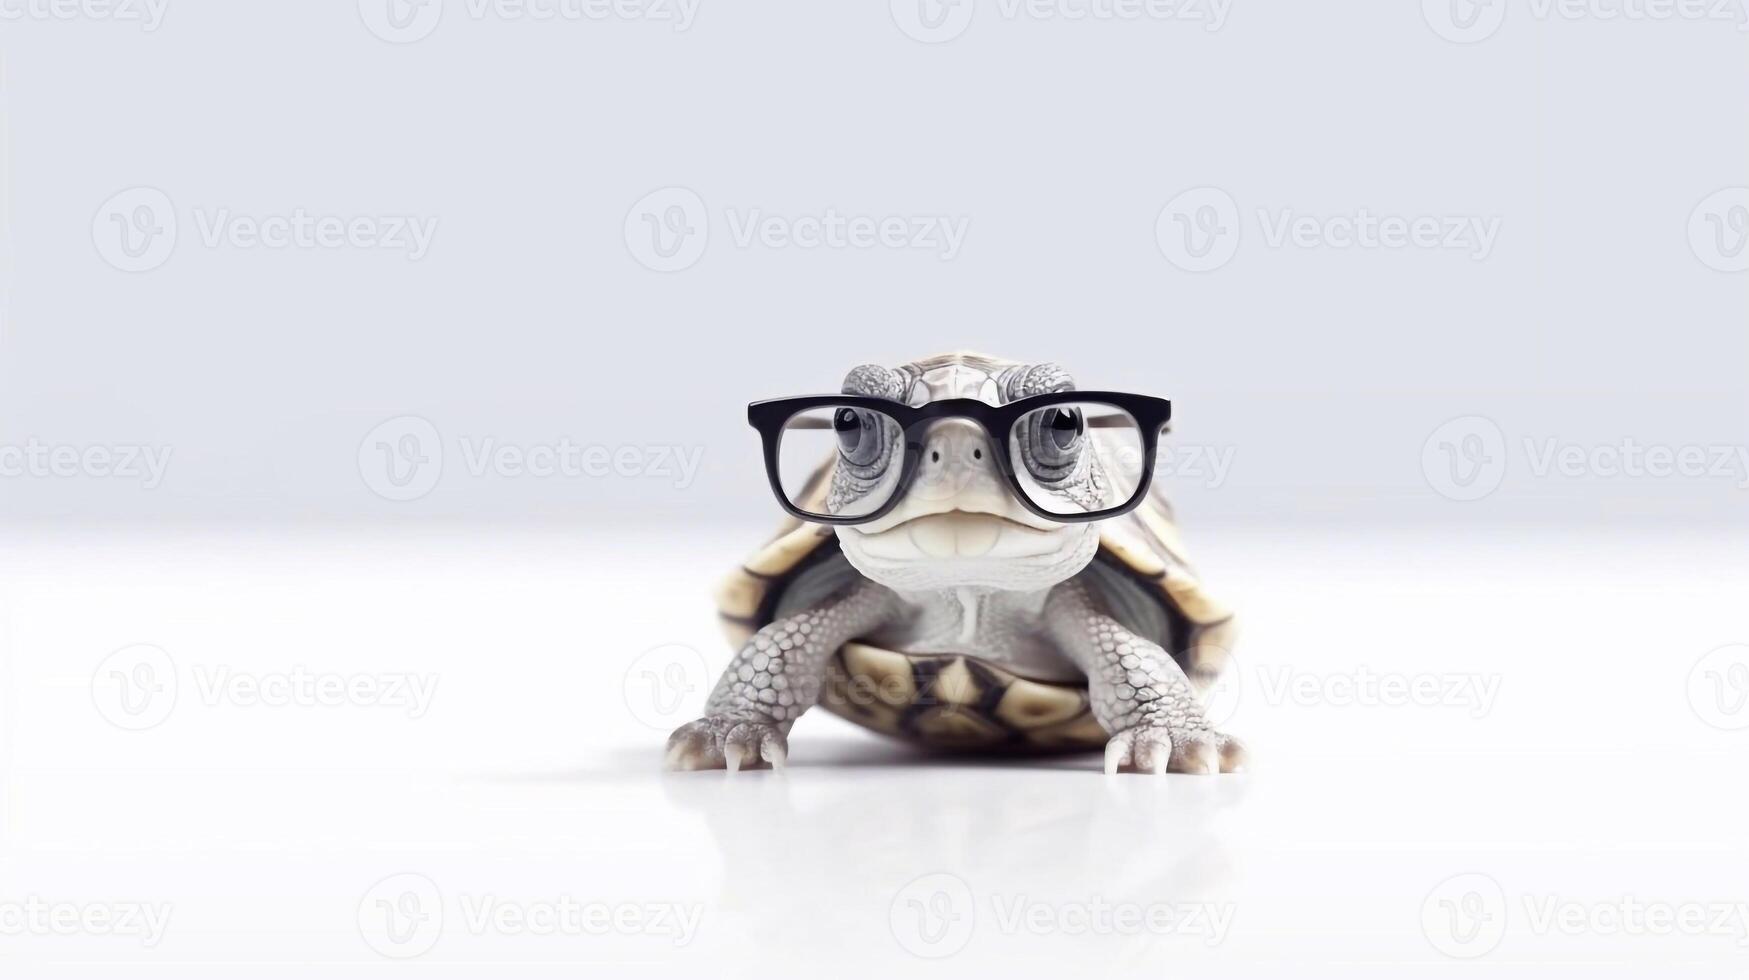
(959, 523)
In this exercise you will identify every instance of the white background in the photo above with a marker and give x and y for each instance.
(1512, 466)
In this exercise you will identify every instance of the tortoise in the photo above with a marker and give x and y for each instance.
(979, 565)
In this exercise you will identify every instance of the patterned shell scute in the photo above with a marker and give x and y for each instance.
(958, 702)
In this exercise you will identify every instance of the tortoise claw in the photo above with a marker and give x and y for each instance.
(720, 742)
(1157, 750)
(1117, 754)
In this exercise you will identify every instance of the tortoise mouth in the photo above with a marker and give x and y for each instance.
(960, 534)
(969, 516)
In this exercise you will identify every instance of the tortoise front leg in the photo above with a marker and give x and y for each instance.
(776, 676)
(1139, 693)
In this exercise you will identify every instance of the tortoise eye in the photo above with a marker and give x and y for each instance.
(1064, 426)
(859, 435)
(839, 460)
(1054, 440)
(1077, 456)
(848, 427)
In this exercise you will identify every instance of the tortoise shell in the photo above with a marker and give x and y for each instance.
(956, 701)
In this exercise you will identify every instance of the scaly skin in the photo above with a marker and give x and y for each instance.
(1139, 692)
(776, 676)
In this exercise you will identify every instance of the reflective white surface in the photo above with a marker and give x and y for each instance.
(1550, 746)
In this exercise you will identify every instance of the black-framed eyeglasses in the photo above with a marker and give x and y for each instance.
(1067, 456)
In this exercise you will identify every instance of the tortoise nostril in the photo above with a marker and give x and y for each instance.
(977, 454)
(935, 456)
